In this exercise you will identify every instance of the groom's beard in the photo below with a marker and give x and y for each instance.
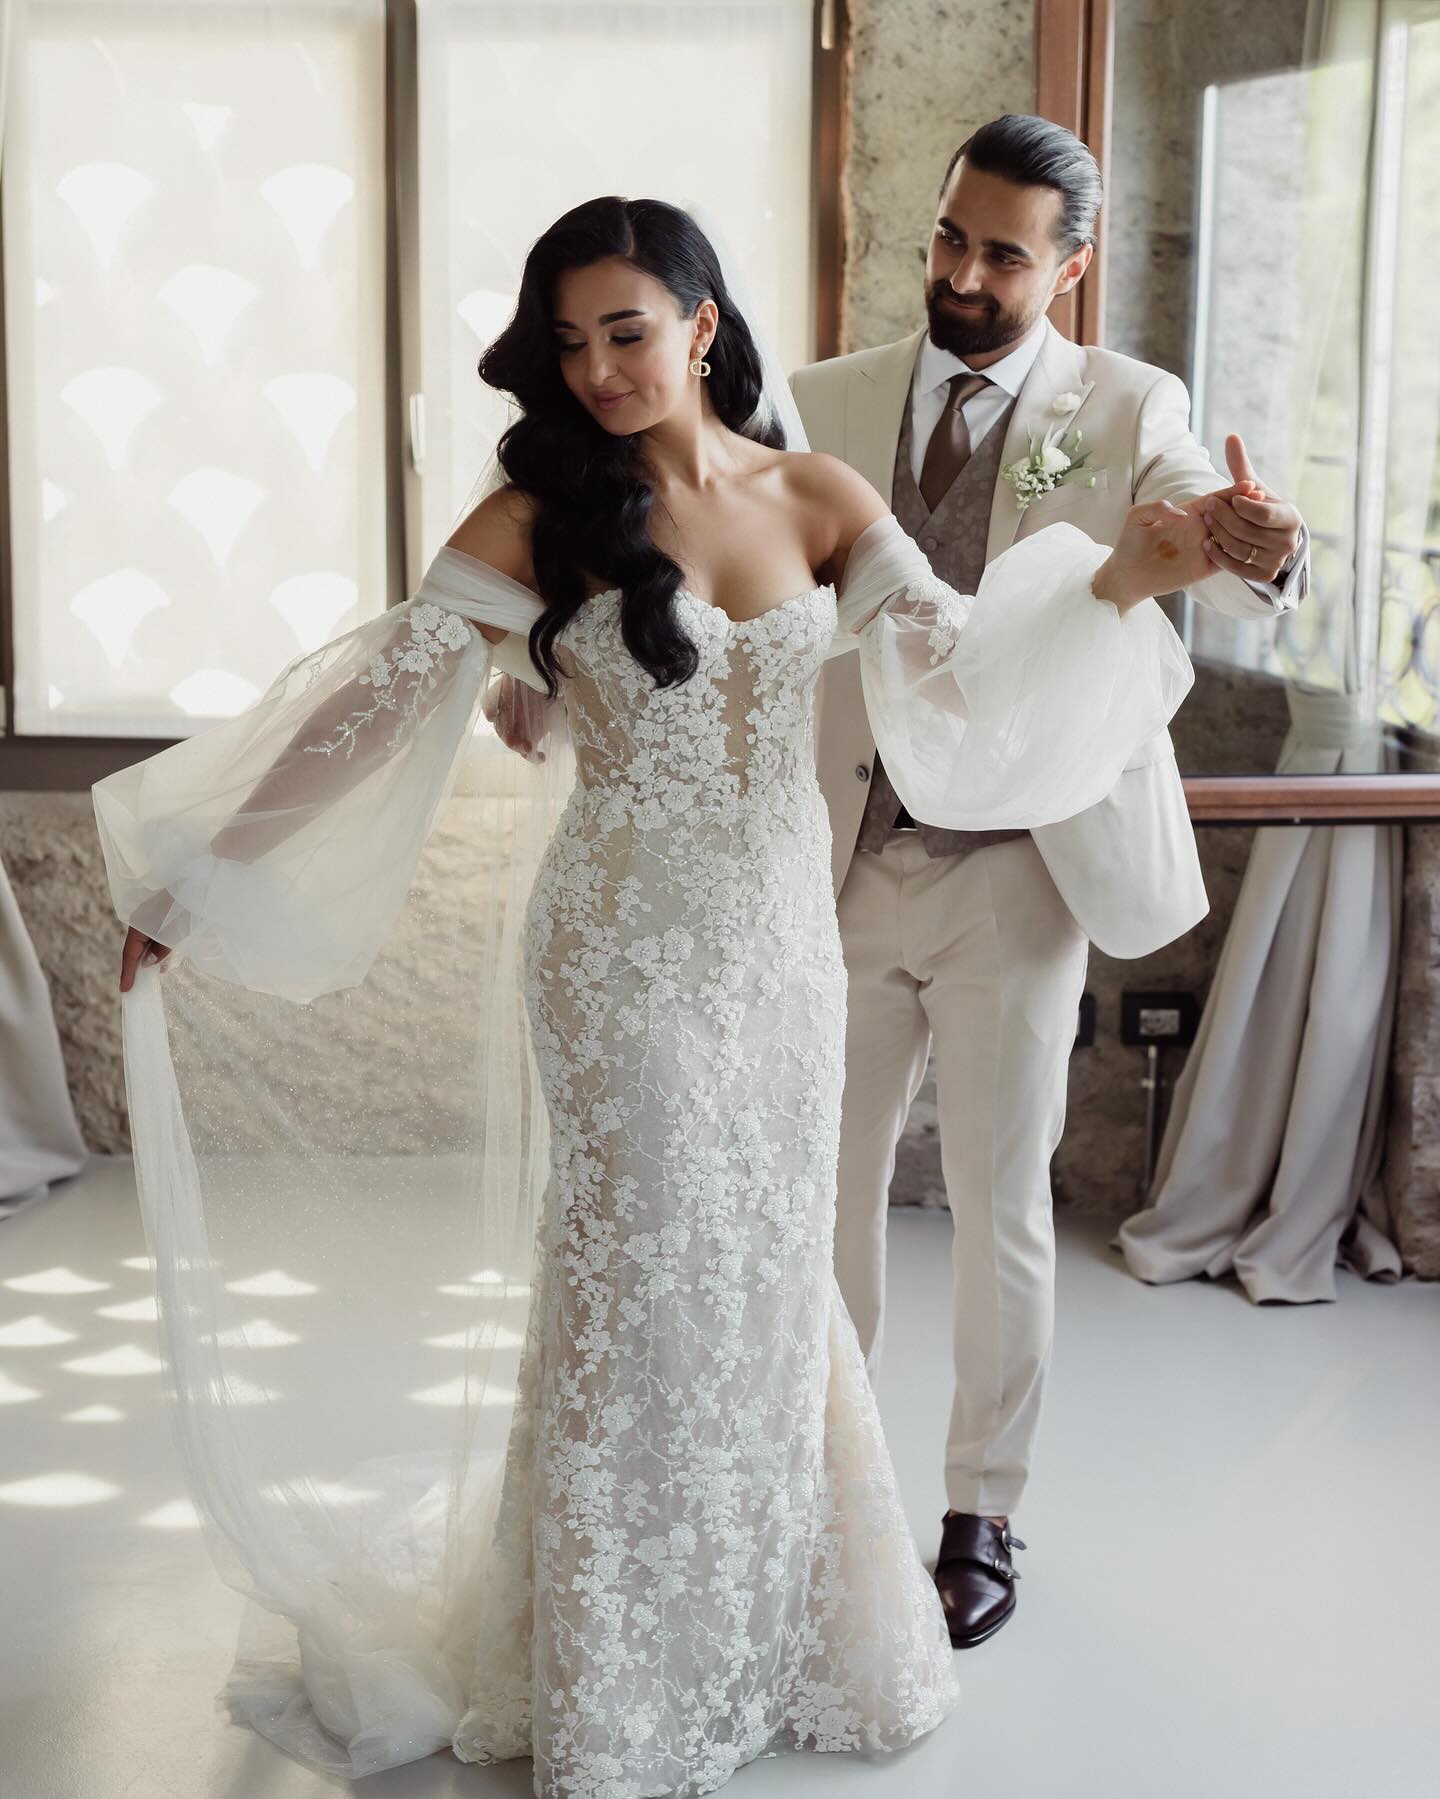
(972, 333)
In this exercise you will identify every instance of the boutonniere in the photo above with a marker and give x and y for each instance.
(1056, 457)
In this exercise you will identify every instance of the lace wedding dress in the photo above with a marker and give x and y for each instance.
(721, 1563)
(693, 1552)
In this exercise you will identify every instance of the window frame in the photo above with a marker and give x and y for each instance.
(1074, 87)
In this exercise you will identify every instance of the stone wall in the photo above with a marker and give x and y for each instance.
(923, 75)
(1412, 1147)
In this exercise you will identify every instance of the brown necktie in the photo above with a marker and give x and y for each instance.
(949, 447)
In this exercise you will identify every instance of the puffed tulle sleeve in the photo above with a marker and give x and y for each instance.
(1017, 706)
(274, 850)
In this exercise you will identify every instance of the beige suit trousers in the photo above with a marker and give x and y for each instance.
(978, 955)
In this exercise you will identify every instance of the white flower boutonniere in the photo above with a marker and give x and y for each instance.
(1057, 456)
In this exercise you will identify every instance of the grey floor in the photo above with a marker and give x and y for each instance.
(1232, 1589)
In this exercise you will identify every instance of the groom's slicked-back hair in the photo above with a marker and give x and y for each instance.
(1034, 152)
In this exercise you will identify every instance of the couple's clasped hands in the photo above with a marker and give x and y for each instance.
(1243, 529)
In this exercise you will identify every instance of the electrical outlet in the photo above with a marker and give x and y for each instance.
(1160, 1018)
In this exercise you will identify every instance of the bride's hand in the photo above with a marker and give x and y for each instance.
(518, 713)
(136, 946)
(1161, 548)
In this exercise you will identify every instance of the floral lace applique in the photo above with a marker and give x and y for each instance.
(434, 635)
(948, 611)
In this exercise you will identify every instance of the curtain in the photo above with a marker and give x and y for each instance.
(40, 1140)
(1269, 1168)
(1271, 1154)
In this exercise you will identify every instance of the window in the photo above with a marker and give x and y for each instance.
(526, 110)
(223, 336)
(1321, 350)
(194, 276)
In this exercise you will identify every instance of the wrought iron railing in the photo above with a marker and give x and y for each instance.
(1308, 644)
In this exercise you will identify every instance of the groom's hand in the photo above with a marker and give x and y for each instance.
(1252, 532)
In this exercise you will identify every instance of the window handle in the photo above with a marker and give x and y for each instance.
(417, 433)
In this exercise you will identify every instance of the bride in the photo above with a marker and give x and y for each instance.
(685, 1548)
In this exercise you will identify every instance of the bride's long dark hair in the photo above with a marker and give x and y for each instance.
(592, 491)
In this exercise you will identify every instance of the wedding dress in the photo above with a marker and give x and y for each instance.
(654, 1532)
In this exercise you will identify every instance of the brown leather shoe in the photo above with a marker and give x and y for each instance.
(975, 1576)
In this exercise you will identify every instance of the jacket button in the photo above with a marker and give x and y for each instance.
(862, 773)
(929, 543)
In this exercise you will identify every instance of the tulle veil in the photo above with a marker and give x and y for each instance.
(340, 1190)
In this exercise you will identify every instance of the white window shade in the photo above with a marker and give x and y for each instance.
(527, 110)
(194, 255)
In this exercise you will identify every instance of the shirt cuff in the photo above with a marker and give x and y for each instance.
(1291, 582)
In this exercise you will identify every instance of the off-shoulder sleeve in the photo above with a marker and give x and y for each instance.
(275, 849)
(1017, 706)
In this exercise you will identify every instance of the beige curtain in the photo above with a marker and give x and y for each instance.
(1270, 1159)
(40, 1140)
(1269, 1168)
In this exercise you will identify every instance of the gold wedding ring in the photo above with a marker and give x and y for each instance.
(1254, 552)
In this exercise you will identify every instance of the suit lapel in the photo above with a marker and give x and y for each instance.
(877, 389)
(1058, 369)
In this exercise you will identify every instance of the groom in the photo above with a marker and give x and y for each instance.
(976, 942)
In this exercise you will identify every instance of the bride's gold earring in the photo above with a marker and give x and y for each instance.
(699, 366)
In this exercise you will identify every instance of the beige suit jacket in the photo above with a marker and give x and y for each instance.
(1127, 867)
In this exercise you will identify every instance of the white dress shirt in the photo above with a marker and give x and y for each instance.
(929, 390)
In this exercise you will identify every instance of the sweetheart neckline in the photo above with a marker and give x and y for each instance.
(709, 605)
